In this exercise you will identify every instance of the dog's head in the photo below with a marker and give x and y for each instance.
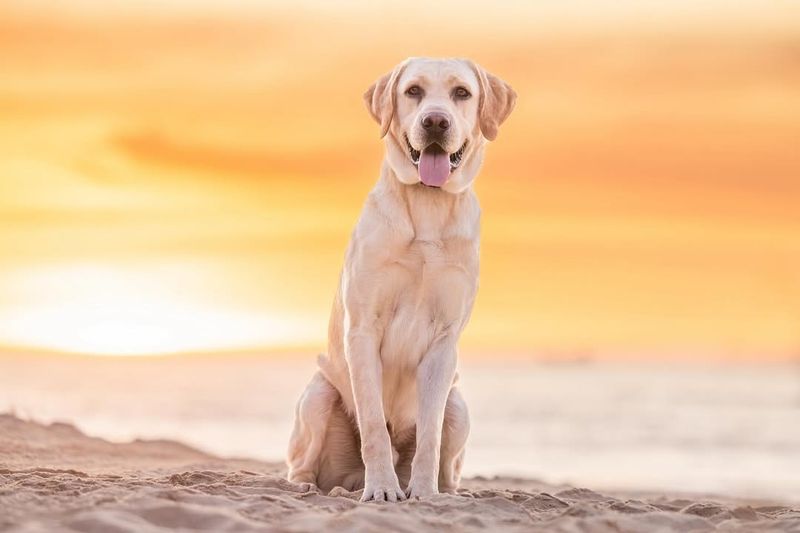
(435, 115)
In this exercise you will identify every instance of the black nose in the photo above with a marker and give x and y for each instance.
(435, 122)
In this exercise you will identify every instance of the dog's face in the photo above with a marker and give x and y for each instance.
(435, 114)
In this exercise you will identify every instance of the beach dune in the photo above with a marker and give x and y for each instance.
(55, 478)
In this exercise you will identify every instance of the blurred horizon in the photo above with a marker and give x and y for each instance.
(720, 427)
(183, 177)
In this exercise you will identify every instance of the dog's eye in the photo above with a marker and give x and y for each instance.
(414, 91)
(461, 93)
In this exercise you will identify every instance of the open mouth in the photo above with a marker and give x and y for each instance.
(435, 152)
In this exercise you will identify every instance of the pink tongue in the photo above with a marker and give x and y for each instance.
(434, 166)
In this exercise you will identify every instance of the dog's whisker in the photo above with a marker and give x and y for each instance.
(455, 157)
(415, 154)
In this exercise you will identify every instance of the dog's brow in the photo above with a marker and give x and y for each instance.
(456, 80)
(419, 79)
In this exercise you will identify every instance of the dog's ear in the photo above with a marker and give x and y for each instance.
(381, 99)
(496, 101)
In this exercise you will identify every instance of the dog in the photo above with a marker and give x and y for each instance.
(383, 412)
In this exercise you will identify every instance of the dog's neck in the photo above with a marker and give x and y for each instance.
(427, 213)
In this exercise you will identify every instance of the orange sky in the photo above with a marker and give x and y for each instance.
(185, 177)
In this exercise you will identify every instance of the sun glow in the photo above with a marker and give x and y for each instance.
(105, 311)
(641, 197)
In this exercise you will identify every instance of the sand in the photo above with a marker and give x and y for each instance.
(55, 478)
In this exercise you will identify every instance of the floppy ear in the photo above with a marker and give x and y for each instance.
(496, 101)
(381, 99)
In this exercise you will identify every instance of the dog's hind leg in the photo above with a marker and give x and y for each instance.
(312, 415)
(454, 437)
(340, 464)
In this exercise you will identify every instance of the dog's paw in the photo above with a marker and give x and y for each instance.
(308, 487)
(418, 489)
(303, 482)
(383, 489)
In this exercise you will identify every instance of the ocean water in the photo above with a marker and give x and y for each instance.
(729, 428)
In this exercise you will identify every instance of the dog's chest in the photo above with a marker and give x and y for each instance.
(410, 279)
(430, 286)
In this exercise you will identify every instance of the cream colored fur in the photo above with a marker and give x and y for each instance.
(383, 412)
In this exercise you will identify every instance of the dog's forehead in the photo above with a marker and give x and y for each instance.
(440, 71)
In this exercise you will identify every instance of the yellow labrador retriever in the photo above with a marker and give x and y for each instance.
(383, 413)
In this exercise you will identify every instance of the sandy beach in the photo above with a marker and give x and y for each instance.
(55, 478)
(611, 426)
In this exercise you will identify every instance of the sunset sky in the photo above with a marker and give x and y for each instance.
(184, 176)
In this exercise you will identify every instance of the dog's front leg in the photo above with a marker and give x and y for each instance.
(364, 362)
(435, 376)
